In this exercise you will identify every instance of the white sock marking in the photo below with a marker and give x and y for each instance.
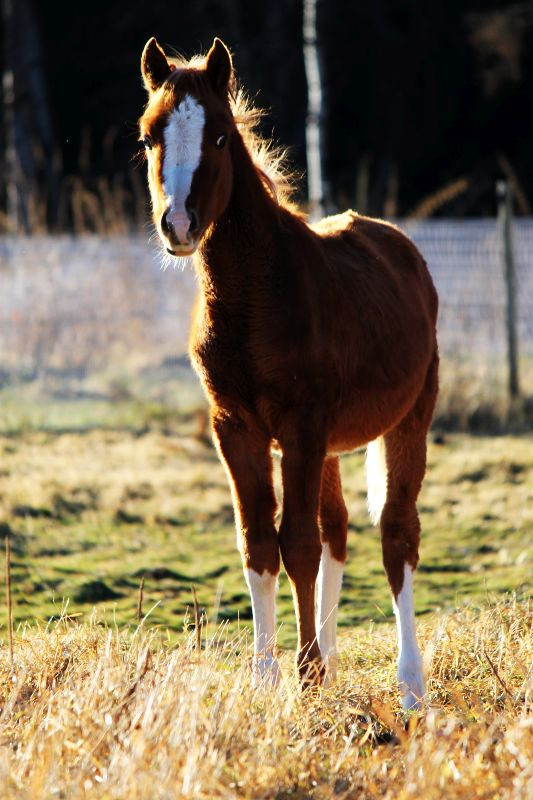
(263, 593)
(409, 662)
(329, 583)
(183, 136)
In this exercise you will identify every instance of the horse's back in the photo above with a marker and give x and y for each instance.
(380, 306)
(378, 255)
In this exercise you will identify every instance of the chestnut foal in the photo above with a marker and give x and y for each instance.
(314, 339)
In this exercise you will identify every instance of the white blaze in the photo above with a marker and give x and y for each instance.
(183, 149)
(263, 593)
(409, 661)
(329, 588)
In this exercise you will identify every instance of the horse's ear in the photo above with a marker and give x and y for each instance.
(219, 67)
(154, 65)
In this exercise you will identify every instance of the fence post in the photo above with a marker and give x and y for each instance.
(505, 213)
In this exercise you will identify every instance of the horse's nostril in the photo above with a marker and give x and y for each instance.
(164, 224)
(193, 227)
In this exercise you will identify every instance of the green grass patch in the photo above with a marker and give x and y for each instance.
(91, 514)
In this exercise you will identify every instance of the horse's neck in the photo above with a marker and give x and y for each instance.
(242, 243)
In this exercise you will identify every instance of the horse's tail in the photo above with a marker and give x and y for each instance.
(376, 478)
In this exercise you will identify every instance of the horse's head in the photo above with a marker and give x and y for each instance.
(186, 128)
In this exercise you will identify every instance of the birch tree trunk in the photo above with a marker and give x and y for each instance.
(314, 121)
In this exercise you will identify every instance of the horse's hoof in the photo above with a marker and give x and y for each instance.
(411, 682)
(410, 702)
(331, 663)
(311, 672)
(265, 671)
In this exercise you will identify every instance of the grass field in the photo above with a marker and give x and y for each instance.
(90, 514)
(93, 707)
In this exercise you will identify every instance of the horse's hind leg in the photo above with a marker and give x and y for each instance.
(400, 536)
(333, 523)
(403, 468)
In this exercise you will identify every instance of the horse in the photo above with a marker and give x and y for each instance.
(309, 339)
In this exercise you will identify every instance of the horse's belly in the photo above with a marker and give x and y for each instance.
(369, 415)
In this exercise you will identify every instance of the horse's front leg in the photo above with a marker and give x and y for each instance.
(246, 455)
(300, 545)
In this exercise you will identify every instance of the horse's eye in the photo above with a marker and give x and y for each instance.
(221, 141)
(147, 142)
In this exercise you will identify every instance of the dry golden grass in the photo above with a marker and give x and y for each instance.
(88, 711)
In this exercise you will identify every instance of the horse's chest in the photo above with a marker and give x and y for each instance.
(249, 361)
(219, 355)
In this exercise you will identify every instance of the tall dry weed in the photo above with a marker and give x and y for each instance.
(90, 711)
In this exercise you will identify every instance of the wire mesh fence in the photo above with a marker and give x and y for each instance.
(83, 304)
(466, 260)
(71, 306)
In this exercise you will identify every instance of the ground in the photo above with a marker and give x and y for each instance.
(90, 514)
(93, 706)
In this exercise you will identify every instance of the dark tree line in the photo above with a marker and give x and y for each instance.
(426, 104)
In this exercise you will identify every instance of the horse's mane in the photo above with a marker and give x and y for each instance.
(269, 159)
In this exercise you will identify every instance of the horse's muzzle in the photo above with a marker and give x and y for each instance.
(180, 229)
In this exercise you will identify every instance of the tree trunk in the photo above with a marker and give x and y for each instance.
(314, 121)
(11, 180)
(29, 141)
